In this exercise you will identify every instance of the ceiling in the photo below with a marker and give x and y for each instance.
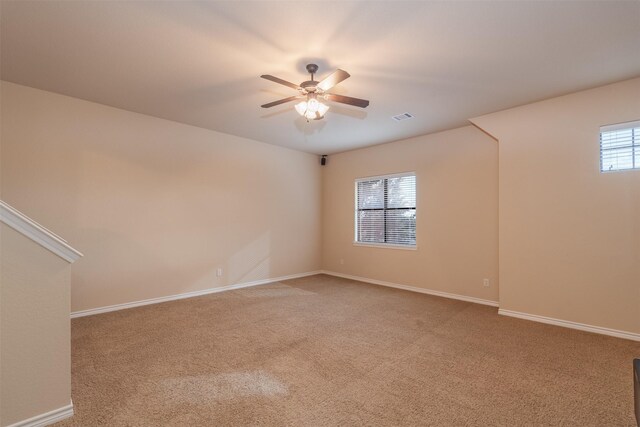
(199, 62)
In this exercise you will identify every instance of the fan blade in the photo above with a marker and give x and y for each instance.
(282, 82)
(333, 79)
(281, 101)
(362, 103)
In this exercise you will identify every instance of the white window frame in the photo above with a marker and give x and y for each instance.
(635, 144)
(355, 215)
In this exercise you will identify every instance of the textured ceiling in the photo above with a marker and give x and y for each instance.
(199, 62)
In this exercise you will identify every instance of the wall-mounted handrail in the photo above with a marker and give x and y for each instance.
(36, 232)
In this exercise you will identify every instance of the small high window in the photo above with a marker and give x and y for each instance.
(620, 147)
(386, 210)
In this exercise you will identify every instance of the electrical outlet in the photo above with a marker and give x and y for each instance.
(341, 261)
(485, 283)
(219, 272)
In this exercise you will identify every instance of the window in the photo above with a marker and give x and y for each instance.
(386, 210)
(620, 147)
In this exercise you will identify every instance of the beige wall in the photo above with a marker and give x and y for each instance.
(569, 235)
(456, 222)
(34, 325)
(156, 206)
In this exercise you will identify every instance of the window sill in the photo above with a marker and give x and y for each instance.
(619, 170)
(386, 246)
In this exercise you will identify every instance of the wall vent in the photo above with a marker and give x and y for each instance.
(401, 117)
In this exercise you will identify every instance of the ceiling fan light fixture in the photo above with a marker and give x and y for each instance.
(313, 105)
(322, 109)
(311, 109)
(301, 107)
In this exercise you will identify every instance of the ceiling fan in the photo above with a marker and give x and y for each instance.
(312, 91)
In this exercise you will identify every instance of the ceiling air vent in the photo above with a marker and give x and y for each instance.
(401, 117)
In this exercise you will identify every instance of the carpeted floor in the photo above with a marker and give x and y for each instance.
(324, 351)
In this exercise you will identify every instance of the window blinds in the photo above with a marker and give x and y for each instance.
(620, 147)
(386, 210)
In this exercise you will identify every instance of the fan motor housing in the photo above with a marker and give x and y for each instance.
(309, 85)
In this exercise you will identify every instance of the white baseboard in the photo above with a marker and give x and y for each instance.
(47, 418)
(126, 305)
(542, 319)
(414, 289)
(573, 325)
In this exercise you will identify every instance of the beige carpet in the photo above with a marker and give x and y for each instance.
(323, 351)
